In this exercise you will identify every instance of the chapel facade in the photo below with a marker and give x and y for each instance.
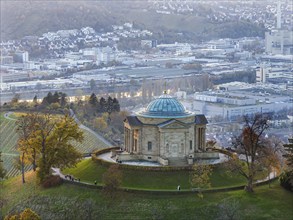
(167, 133)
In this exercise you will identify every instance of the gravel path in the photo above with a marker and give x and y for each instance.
(7, 114)
(90, 130)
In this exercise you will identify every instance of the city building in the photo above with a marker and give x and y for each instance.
(267, 73)
(6, 60)
(234, 104)
(279, 41)
(167, 133)
(21, 57)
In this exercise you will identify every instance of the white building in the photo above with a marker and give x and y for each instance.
(279, 41)
(105, 55)
(266, 72)
(236, 104)
(21, 57)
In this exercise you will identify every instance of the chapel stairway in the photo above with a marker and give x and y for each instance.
(177, 161)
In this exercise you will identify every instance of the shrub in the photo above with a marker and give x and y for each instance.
(27, 214)
(112, 180)
(285, 181)
(52, 181)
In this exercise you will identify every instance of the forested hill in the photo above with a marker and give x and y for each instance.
(22, 18)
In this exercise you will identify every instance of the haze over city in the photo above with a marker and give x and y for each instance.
(155, 93)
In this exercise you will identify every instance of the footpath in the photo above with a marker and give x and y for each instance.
(56, 171)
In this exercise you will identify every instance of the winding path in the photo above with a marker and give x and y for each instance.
(7, 114)
(272, 176)
(101, 138)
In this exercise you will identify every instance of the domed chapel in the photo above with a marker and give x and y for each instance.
(167, 133)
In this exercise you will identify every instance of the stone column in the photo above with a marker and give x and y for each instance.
(204, 138)
(200, 138)
(131, 141)
(128, 141)
(139, 141)
(125, 138)
(160, 143)
(196, 145)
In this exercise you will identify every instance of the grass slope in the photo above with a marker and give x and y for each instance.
(73, 202)
(89, 171)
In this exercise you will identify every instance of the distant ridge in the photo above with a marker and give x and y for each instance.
(38, 17)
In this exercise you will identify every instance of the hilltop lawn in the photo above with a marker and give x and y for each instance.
(73, 202)
(89, 171)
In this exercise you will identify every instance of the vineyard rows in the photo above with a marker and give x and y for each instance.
(9, 137)
(90, 143)
(9, 162)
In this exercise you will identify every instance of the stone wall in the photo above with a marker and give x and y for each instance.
(150, 134)
(187, 120)
(206, 155)
(173, 143)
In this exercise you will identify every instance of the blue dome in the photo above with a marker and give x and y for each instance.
(165, 107)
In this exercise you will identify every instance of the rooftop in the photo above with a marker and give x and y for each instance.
(165, 107)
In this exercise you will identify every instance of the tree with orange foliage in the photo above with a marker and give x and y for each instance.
(250, 144)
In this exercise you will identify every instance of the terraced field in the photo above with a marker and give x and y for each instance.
(9, 137)
(90, 143)
(8, 140)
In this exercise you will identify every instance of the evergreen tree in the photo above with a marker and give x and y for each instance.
(116, 105)
(49, 98)
(103, 104)
(45, 101)
(63, 100)
(110, 106)
(93, 100)
(35, 100)
(56, 98)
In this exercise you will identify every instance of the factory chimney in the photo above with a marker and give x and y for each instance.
(279, 15)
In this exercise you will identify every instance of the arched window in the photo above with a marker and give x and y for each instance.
(167, 148)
